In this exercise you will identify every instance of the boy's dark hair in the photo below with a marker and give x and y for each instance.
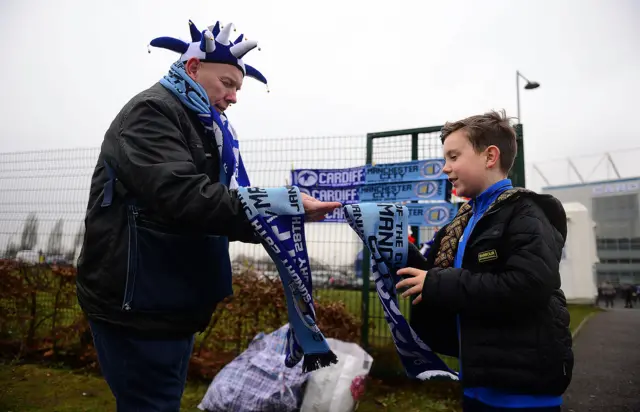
(489, 129)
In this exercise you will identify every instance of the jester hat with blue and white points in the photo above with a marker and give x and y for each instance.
(213, 45)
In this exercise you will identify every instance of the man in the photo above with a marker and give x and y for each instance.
(162, 209)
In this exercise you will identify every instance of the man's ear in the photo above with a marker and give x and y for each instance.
(192, 66)
(493, 157)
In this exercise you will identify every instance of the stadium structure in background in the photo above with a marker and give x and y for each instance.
(608, 185)
(613, 206)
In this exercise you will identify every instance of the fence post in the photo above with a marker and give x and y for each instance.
(366, 256)
(517, 174)
(414, 156)
(366, 268)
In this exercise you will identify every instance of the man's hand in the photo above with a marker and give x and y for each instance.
(415, 281)
(315, 209)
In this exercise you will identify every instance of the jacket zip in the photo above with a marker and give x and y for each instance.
(459, 348)
(459, 322)
(131, 268)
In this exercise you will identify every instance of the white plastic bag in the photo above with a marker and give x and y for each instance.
(329, 389)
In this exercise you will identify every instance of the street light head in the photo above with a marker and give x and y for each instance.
(532, 85)
(528, 86)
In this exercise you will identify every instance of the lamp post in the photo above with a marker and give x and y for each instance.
(529, 86)
(517, 174)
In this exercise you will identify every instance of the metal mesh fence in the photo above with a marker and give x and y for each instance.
(43, 198)
(44, 189)
(44, 194)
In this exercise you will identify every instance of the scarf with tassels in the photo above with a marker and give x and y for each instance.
(277, 217)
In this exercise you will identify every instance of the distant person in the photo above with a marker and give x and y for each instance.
(609, 293)
(162, 209)
(488, 291)
(600, 295)
(628, 292)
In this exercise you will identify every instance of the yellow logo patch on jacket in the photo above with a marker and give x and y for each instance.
(487, 255)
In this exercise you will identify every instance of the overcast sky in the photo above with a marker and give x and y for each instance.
(334, 67)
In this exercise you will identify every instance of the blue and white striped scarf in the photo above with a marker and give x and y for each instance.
(277, 216)
(384, 230)
(194, 97)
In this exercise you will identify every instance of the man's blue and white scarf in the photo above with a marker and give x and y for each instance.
(384, 228)
(277, 216)
(217, 127)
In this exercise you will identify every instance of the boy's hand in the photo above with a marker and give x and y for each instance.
(415, 281)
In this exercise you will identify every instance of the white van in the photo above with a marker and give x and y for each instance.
(28, 256)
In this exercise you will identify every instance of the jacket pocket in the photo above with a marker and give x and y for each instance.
(173, 272)
(491, 234)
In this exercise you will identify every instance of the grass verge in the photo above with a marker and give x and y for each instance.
(35, 388)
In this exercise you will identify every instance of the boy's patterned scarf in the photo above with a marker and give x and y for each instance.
(453, 232)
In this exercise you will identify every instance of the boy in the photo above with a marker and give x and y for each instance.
(489, 288)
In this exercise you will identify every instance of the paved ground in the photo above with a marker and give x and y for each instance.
(606, 376)
(619, 303)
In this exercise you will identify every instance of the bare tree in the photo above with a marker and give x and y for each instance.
(77, 242)
(11, 250)
(54, 244)
(29, 233)
(79, 236)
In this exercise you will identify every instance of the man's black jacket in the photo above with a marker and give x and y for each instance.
(513, 320)
(155, 256)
